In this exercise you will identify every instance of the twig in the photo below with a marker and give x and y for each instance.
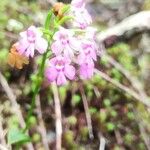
(144, 135)
(15, 106)
(119, 139)
(134, 81)
(124, 88)
(102, 143)
(58, 116)
(3, 147)
(87, 113)
(135, 23)
(2, 135)
(12, 98)
(41, 124)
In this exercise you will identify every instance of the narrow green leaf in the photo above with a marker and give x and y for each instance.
(65, 19)
(48, 19)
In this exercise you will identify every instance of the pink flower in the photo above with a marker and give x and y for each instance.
(60, 68)
(88, 52)
(86, 70)
(65, 43)
(81, 16)
(90, 33)
(30, 41)
(86, 59)
(78, 3)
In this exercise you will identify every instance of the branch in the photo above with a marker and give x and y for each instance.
(133, 24)
(87, 113)
(102, 143)
(15, 106)
(12, 98)
(41, 124)
(58, 116)
(3, 147)
(142, 129)
(124, 88)
(2, 134)
(133, 80)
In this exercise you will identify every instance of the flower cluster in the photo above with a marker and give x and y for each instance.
(29, 41)
(74, 48)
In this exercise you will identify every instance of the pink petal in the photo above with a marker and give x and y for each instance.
(57, 47)
(93, 54)
(23, 34)
(41, 45)
(69, 71)
(81, 58)
(51, 74)
(86, 71)
(61, 79)
(30, 50)
(53, 61)
(57, 35)
(75, 44)
(78, 3)
(68, 52)
(23, 44)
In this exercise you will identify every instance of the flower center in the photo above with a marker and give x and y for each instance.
(31, 36)
(60, 65)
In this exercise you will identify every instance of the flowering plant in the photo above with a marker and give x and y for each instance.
(71, 40)
(66, 43)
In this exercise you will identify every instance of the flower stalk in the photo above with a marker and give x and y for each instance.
(39, 75)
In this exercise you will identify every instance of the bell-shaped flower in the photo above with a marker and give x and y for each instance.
(59, 69)
(65, 43)
(31, 40)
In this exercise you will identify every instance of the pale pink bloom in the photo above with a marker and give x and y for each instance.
(82, 18)
(90, 33)
(78, 3)
(86, 69)
(65, 43)
(88, 52)
(59, 69)
(86, 59)
(31, 40)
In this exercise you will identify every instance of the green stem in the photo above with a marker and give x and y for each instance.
(39, 74)
(37, 88)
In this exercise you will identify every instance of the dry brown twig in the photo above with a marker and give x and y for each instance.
(87, 113)
(2, 133)
(57, 116)
(142, 129)
(42, 128)
(133, 80)
(146, 102)
(15, 106)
